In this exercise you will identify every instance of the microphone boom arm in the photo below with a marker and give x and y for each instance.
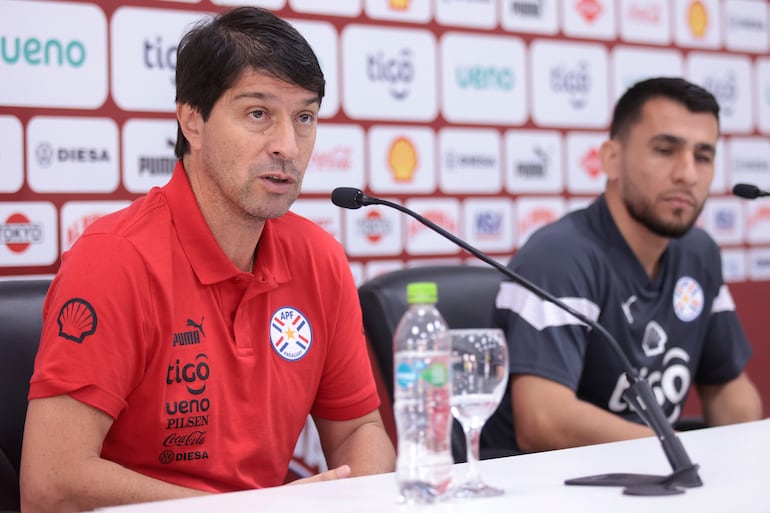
(638, 394)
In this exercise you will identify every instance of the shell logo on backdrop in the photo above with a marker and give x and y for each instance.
(402, 159)
(698, 19)
(399, 5)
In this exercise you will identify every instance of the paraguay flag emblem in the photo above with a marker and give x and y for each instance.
(290, 333)
(688, 299)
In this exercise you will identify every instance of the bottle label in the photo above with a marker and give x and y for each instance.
(436, 373)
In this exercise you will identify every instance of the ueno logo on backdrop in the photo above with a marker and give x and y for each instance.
(42, 52)
(485, 77)
(53, 54)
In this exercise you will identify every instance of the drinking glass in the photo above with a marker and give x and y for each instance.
(479, 378)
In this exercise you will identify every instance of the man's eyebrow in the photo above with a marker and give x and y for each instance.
(680, 141)
(256, 95)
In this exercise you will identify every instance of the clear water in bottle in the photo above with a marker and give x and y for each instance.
(422, 405)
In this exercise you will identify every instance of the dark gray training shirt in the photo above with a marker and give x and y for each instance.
(677, 330)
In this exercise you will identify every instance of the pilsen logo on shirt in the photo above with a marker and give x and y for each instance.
(77, 320)
(290, 333)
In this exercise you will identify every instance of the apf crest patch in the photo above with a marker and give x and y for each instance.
(688, 299)
(290, 333)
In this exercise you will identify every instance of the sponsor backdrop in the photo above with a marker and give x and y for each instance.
(484, 115)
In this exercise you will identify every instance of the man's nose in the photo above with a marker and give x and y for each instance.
(282, 139)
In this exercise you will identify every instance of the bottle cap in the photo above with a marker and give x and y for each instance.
(422, 292)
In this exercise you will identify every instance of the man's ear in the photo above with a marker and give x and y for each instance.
(191, 123)
(609, 152)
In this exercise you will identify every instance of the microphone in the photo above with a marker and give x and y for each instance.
(638, 394)
(748, 191)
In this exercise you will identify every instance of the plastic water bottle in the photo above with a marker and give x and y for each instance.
(422, 392)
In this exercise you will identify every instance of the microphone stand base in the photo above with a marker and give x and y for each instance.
(644, 484)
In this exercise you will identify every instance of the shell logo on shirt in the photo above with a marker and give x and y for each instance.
(290, 333)
(688, 299)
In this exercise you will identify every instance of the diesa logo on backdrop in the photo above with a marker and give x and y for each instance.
(38, 50)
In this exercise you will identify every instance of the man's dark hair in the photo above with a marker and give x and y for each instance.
(213, 54)
(629, 108)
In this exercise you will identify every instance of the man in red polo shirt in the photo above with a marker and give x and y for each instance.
(187, 337)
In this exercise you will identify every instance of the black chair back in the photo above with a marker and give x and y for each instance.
(21, 320)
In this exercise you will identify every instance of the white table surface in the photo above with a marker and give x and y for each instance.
(734, 466)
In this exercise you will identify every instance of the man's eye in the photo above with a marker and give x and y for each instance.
(258, 114)
(704, 158)
(306, 118)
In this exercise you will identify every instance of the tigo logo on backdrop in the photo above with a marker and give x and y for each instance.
(401, 159)
(27, 234)
(144, 56)
(37, 50)
(58, 159)
(480, 82)
(397, 69)
(569, 84)
(729, 79)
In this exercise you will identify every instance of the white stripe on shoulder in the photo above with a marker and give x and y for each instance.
(539, 312)
(724, 301)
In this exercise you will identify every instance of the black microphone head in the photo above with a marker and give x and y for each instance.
(347, 197)
(748, 191)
